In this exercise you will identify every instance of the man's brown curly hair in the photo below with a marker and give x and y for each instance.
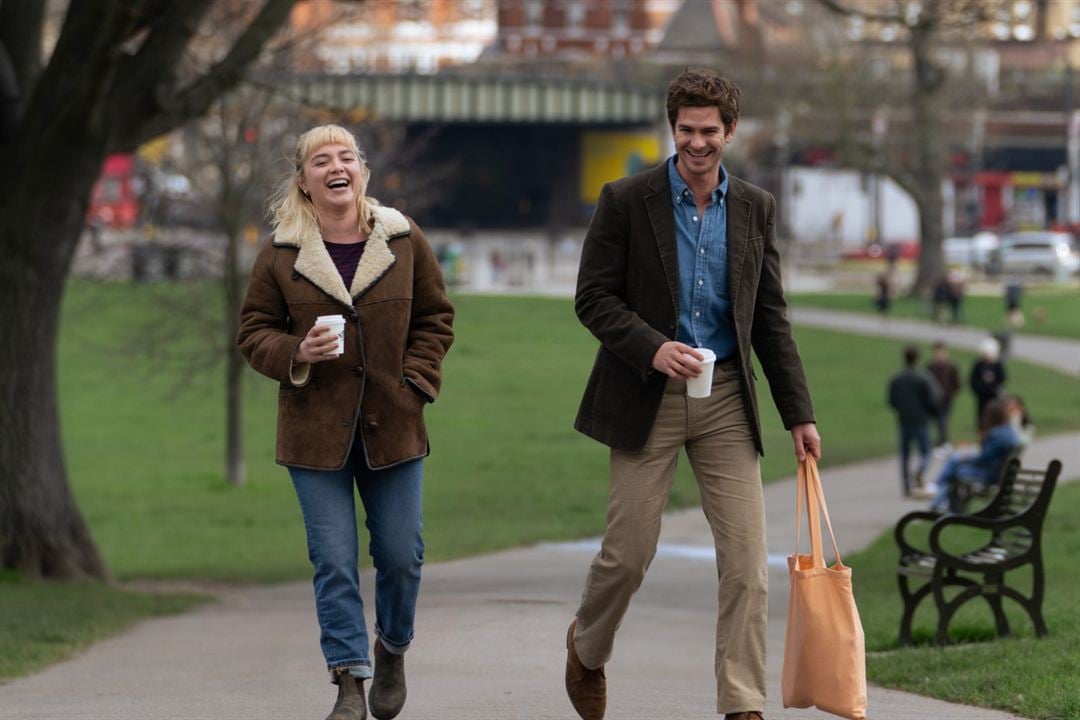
(702, 87)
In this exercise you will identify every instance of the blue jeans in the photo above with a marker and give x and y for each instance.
(392, 504)
(955, 469)
(920, 435)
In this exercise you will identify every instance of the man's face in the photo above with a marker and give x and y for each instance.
(700, 140)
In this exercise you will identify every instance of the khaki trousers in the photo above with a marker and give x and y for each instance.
(719, 443)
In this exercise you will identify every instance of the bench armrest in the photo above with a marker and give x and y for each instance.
(907, 548)
(971, 521)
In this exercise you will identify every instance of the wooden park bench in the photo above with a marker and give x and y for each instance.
(1014, 520)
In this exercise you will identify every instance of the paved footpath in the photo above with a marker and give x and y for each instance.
(490, 631)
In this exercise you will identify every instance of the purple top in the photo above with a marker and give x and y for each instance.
(346, 257)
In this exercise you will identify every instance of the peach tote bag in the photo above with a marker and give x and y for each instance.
(824, 649)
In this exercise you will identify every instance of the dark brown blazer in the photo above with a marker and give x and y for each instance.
(397, 331)
(628, 297)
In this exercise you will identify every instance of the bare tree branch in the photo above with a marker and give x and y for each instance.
(194, 100)
(20, 34)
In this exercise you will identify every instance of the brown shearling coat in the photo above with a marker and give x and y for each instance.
(397, 330)
(628, 297)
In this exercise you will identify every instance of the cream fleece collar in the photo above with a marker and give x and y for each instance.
(314, 263)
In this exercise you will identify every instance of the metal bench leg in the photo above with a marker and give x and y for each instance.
(993, 598)
(911, 603)
(946, 609)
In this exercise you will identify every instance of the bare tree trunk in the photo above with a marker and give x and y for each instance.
(42, 533)
(234, 363)
(930, 161)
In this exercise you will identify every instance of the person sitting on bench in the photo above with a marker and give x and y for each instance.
(981, 466)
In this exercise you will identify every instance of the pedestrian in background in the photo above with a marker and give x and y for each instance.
(883, 293)
(916, 397)
(1014, 293)
(987, 378)
(947, 375)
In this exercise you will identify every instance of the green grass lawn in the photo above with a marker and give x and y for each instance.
(144, 435)
(1059, 306)
(1037, 678)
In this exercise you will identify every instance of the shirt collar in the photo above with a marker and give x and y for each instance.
(680, 191)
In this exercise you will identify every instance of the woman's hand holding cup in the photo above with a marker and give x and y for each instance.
(319, 344)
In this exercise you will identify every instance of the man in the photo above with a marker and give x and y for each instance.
(947, 375)
(679, 257)
(916, 397)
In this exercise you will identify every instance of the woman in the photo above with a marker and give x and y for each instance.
(354, 418)
(987, 378)
(982, 466)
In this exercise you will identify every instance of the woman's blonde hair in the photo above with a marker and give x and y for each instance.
(291, 211)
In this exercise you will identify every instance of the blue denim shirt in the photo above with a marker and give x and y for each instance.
(705, 318)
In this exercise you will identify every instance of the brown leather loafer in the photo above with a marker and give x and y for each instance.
(751, 715)
(586, 688)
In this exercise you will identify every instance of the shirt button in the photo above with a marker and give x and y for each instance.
(702, 251)
(695, 218)
(700, 282)
(697, 314)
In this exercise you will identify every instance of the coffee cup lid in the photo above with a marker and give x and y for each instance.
(330, 318)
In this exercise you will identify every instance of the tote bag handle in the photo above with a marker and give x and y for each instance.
(809, 487)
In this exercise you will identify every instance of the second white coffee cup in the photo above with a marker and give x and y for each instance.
(701, 386)
(336, 323)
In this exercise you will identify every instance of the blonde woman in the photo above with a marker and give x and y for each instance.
(353, 420)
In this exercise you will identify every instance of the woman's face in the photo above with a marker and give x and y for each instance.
(332, 177)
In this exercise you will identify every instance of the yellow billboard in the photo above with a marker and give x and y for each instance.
(610, 155)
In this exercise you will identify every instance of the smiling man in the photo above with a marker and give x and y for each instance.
(679, 258)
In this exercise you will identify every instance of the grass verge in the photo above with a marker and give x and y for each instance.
(1036, 678)
(43, 623)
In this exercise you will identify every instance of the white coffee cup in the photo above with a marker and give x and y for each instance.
(336, 323)
(701, 386)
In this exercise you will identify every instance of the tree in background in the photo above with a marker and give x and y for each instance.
(120, 73)
(920, 164)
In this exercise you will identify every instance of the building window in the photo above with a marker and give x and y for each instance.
(620, 17)
(575, 15)
(534, 13)
(413, 10)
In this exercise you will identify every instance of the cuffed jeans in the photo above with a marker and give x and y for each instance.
(392, 504)
(719, 442)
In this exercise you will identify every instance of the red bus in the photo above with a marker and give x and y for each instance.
(114, 202)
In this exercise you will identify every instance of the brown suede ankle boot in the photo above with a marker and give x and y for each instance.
(388, 685)
(350, 703)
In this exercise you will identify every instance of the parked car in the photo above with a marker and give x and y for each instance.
(1038, 252)
(971, 252)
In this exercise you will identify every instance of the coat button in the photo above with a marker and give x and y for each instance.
(347, 423)
(358, 371)
(372, 426)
